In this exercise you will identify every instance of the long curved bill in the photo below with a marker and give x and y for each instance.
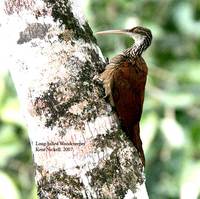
(123, 31)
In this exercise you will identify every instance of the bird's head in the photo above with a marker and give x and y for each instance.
(138, 33)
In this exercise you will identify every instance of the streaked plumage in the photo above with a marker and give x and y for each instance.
(124, 81)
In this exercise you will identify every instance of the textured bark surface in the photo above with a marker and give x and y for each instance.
(78, 147)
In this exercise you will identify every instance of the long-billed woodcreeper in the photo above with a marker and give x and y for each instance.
(124, 81)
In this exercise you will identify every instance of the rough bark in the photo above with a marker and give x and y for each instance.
(78, 147)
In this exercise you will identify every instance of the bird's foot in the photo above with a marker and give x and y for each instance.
(106, 97)
(107, 60)
(97, 80)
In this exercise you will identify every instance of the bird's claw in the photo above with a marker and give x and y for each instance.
(107, 60)
(97, 80)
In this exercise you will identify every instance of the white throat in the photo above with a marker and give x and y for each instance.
(139, 40)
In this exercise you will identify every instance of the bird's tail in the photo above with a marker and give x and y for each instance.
(135, 138)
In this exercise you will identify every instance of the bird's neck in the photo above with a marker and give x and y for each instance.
(137, 49)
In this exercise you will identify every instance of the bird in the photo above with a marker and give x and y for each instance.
(124, 80)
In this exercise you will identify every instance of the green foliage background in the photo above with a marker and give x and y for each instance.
(171, 119)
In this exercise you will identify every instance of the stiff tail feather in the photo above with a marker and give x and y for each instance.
(135, 138)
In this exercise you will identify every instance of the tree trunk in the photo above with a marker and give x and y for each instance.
(78, 147)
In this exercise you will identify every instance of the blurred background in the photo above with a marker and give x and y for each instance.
(170, 126)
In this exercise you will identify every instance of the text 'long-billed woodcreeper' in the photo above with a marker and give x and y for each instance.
(124, 81)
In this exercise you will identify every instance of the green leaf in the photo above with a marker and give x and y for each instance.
(190, 184)
(173, 132)
(149, 126)
(9, 144)
(177, 100)
(186, 70)
(8, 189)
(10, 113)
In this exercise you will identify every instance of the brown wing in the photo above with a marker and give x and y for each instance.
(128, 91)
